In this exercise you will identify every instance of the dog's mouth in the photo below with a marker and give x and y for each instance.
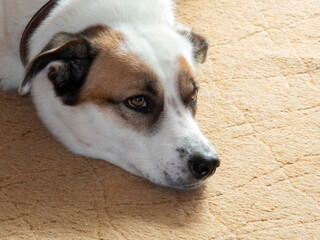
(191, 186)
(181, 182)
(187, 186)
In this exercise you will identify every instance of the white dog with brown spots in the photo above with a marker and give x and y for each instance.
(112, 79)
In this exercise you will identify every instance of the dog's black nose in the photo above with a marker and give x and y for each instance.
(202, 167)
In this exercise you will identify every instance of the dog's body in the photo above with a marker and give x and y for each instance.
(113, 79)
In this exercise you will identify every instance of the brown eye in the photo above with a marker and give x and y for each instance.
(137, 102)
(140, 103)
(194, 96)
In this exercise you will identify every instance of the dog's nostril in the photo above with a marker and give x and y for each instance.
(203, 170)
(202, 167)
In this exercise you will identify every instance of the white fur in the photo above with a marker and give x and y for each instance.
(148, 27)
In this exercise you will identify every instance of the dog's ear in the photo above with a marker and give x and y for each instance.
(67, 58)
(200, 47)
(200, 44)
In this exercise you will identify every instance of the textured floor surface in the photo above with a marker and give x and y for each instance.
(259, 105)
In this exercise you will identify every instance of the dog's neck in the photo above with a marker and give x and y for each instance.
(33, 24)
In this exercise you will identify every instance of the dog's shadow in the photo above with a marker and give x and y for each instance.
(45, 189)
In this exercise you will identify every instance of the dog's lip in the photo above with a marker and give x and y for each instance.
(193, 186)
(187, 186)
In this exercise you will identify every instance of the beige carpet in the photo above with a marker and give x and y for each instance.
(260, 106)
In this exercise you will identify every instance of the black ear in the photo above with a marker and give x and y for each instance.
(200, 44)
(69, 57)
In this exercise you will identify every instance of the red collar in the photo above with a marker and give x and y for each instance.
(34, 23)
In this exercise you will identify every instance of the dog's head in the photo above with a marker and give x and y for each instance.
(128, 96)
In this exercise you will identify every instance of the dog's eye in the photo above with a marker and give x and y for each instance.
(138, 103)
(194, 99)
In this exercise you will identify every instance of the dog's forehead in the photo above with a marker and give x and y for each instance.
(162, 48)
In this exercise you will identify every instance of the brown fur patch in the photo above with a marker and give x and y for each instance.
(187, 84)
(96, 30)
(116, 76)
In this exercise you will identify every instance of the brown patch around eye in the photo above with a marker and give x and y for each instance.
(187, 85)
(116, 81)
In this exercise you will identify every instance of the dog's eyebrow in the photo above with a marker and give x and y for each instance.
(189, 89)
(148, 83)
(152, 86)
(187, 84)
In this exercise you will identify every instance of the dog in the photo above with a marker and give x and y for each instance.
(112, 80)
